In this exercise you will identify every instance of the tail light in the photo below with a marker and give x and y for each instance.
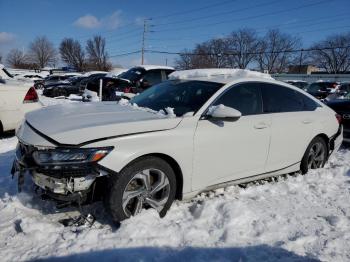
(339, 118)
(31, 96)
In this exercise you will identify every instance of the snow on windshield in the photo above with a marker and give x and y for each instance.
(167, 112)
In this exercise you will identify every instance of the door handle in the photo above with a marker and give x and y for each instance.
(307, 121)
(261, 125)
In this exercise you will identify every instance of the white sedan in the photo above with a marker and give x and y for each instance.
(201, 130)
(16, 99)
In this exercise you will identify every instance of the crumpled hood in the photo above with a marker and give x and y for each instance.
(77, 123)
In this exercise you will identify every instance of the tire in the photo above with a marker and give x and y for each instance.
(313, 158)
(128, 193)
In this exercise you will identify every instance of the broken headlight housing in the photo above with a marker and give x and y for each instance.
(70, 156)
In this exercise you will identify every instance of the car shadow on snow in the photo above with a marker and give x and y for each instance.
(239, 254)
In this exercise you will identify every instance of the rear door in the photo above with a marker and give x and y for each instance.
(292, 124)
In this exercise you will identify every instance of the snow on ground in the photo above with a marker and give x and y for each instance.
(297, 218)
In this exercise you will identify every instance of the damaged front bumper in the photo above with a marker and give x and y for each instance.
(69, 183)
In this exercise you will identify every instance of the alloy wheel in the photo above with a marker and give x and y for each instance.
(148, 188)
(317, 155)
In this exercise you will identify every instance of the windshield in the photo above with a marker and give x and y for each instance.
(183, 96)
(133, 74)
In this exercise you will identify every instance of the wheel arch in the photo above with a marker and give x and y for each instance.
(325, 138)
(174, 165)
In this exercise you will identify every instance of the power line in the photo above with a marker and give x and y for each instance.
(247, 53)
(193, 10)
(221, 13)
(339, 17)
(245, 18)
(126, 54)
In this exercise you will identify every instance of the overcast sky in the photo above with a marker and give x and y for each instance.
(175, 25)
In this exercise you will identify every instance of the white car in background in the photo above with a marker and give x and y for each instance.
(201, 130)
(16, 99)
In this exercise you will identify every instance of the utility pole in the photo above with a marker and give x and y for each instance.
(143, 41)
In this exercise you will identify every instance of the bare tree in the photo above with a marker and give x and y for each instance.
(0, 58)
(97, 54)
(17, 59)
(72, 53)
(42, 52)
(333, 53)
(184, 62)
(275, 51)
(215, 49)
(244, 43)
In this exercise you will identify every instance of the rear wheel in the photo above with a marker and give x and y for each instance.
(315, 155)
(147, 183)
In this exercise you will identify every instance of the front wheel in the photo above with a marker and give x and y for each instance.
(147, 183)
(315, 156)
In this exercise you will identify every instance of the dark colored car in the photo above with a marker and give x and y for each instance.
(342, 107)
(321, 90)
(65, 88)
(93, 78)
(298, 83)
(143, 77)
(110, 85)
(135, 80)
(51, 80)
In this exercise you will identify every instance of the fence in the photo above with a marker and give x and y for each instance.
(313, 77)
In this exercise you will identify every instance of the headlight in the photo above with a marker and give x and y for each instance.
(64, 156)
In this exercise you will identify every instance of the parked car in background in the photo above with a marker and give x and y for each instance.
(90, 77)
(64, 88)
(298, 83)
(110, 87)
(342, 107)
(342, 91)
(16, 99)
(133, 81)
(321, 90)
(201, 130)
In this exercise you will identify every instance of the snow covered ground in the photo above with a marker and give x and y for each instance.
(297, 218)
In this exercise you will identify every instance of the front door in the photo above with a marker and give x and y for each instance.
(226, 151)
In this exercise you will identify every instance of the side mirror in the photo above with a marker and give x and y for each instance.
(223, 113)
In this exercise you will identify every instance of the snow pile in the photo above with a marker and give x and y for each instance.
(224, 75)
(166, 112)
(295, 218)
(298, 218)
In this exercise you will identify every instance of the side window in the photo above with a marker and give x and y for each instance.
(153, 77)
(244, 97)
(309, 104)
(278, 99)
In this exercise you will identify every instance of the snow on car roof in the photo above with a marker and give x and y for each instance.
(150, 67)
(72, 74)
(94, 72)
(294, 81)
(217, 75)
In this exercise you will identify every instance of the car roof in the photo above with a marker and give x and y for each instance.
(151, 67)
(223, 76)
